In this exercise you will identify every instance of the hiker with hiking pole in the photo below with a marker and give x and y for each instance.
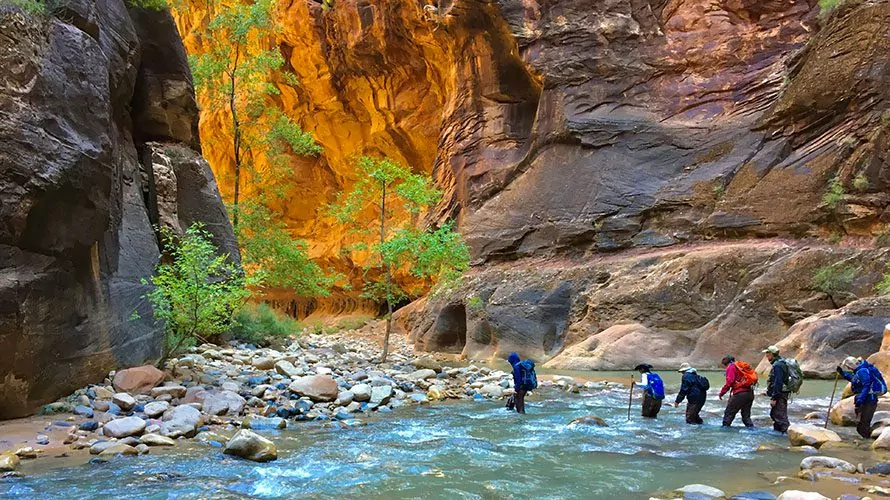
(653, 391)
(740, 381)
(868, 384)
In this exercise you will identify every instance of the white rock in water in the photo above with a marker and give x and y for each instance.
(123, 427)
(703, 490)
(421, 375)
(827, 463)
(381, 394)
(801, 495)
(808, 434)
(156, 440)
(181, 421)
(250, 445)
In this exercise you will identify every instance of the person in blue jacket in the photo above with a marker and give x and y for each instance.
(519, 395)
(864, 399)
(653, 390)
(695, 393)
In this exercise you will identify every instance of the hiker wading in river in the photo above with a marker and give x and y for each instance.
(776, 389)
(524, 380)
(694, 388)
(868, 384)
(740, 381)
(653, 391)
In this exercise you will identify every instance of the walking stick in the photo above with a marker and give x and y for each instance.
(837, 376)
(630, 399)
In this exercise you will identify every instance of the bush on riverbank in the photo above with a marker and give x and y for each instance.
(263, 326)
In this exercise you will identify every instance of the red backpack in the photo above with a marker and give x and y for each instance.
(747, 376)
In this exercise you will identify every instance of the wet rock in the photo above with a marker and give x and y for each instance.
(883, 440)
(808, 434)
(8, 462)
(361, 392)
(701, 491)
(139, 380)
(436, 393)
(223, 403)
(421, 375)
(124, 400)
(426, 363)
(492, 390)
(142, 449)
(822, 462)
(116, 449)
(754, 495)
(589, 420)
(264, 363)
(251, 446)
(84, 411)
(801, 495)
(880, 468)
(316, 387)
(844, 412)
(89, 426)
(344, 398)
(181, 421)
(381, 395)
(286, 368)
(100, 446)
(156, 440)
(263, 423)
(176, 391)
(155, 409)
(42, 439)
(123, 427)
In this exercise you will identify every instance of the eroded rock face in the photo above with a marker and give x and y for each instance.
(77, 237)
(571, 126)
(665, 307)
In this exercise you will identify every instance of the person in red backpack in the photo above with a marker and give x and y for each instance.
(740, 380)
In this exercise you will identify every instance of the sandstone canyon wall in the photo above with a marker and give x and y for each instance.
(82, 91)
(564, 130)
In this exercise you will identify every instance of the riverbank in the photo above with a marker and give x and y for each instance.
(423, 407)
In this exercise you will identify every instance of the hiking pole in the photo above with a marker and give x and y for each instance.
(630, 399)
(837, 376)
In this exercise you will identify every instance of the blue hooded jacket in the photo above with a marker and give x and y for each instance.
(514, 360)
(861, 380)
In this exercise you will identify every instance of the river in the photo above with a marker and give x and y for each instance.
(457, 450)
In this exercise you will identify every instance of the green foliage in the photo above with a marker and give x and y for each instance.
(860, 182)
(835, 278)
(835, 194)
(261, 325)
(883, 286)
(826, 6)
(148, 4)
(277, 260)
(35, 7)
(719, 192)
(198, 292)
(396, 196)
(475, 303)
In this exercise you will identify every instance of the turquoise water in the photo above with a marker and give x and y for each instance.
(456, 450)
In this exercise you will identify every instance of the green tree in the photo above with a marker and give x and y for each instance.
(198, 292)
(235, 74)
(394, 198)
(277, 260)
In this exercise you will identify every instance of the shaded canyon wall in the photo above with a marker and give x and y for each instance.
(83, 90)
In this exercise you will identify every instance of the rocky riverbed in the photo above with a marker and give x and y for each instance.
(247, 402)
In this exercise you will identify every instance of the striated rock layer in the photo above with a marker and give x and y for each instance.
(80, 91)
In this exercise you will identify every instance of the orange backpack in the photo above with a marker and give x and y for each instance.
(747, 376)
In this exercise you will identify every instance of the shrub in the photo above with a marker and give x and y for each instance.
(263, 326)
(835, 194)
(35, 7)
(197, 293)
(834, 278)
(826, 6)
(860, 182)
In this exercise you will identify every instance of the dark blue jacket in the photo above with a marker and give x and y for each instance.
(514, 360)
(776, 381)
(690, 389)
(861, 380)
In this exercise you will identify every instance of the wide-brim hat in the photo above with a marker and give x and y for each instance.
(771, 350)
(685, 367)
(643, 366)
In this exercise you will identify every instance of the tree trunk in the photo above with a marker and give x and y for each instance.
(236, 138)
(388, 276)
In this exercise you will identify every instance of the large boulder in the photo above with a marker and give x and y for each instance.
(844, 412)
(124, 427)
(316, 387)
(250, 445)
(811, 435)
(181, 421)
(818, 462)
(8, 462)
(139, 380)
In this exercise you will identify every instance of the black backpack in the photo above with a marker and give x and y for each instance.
(703, 383)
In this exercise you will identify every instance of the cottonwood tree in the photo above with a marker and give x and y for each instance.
(382, 208)
(237, 74)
